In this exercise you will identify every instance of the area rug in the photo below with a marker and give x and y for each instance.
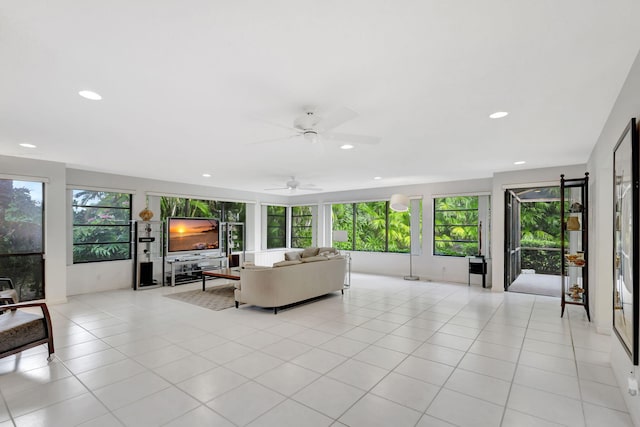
(214, 298)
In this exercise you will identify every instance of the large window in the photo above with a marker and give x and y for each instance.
(276, 227)
(455, 226)
(373, 226)
(301, 226)
(21, 237)
(101, 229)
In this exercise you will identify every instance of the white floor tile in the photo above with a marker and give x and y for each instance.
(559, 365)
(17, 382)
(329, 396)
(438, 353)
(39, 397)
(451, 341)
(106, 420)
(287, 378)
(69, 412)
(429, 421)
(319, 360)
(200, 417)
(113, 373)
(122, 393)
(226, 352)
(597, 416)
(233, 405)
(253, 364)
(519, 419)
(157, 409)
(481, 386)
(344, 346)
(549, 406)
(184, 368)
(162, 356)
(602, 395)
(597, 373)
(291, 413)
(547, 381)
(425, 370)
(211, 384)
(397, 343)
(374, 411)
(406, 391)
(488, 366)
(463, 410)
(358, 374)
(496, 351)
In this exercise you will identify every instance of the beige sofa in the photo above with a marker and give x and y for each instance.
(291, 281)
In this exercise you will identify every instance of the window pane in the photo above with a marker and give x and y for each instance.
(342, 219)
(399, 229)
(371, 226)
(101, 226)
(455, 226)
(21, 237)
(276, 227)
(301, 226)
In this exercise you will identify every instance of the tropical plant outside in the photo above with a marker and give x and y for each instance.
(455, 226)
(276, 227)
(101, 226)
(540, 236)
(301, 226)
(21, 237)
(373, 227)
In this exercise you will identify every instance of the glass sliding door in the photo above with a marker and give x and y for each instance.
(22, 236)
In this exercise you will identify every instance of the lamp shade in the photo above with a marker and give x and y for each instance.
(399, 203)
(339, 236)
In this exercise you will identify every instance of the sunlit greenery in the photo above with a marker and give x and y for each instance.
(540, 236)
(301, 226)
(373, 227)
(276, 227)
(101, 226)
(455, 226)
(21, 237)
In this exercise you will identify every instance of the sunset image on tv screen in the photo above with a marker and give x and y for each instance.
(193, 234)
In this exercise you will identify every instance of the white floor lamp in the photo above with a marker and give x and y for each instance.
(400, 203)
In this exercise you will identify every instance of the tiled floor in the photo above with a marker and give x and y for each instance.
(387, 353)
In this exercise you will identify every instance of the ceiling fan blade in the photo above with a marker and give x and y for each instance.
(310, 188)
(356, 139)
(278, 188)
(267, 141)
(335, 119)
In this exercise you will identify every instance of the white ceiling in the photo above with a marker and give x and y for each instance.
(188, 86)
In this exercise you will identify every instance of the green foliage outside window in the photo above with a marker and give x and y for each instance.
(376, 227)
(101, 229)
(540, 236)
(21, 237)
(276, 227)
(301, 226)
(455, 226)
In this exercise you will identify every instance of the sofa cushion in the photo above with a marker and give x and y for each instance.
(314, 258)
(285, 263)
(327, 250)
(18, 328)
(309, 252)
(292, 256)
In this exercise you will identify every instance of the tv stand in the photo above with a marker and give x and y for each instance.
(188, 268)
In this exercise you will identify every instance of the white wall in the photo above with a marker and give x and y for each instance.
(601, 241)
(53, 174)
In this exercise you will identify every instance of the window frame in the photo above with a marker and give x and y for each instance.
(294, 227)
(126, 226)
(475, 226)
(283, 227)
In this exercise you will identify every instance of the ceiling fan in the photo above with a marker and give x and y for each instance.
(314, 128)
(293, 184)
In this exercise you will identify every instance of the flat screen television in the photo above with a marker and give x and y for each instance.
(195, 235)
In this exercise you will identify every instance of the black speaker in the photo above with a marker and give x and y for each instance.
(146, 273)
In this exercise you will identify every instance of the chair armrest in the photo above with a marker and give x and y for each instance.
(43, 307)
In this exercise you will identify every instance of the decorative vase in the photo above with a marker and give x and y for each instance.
(146, 214)
(573, 223)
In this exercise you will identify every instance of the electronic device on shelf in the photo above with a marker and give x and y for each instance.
(201, 235)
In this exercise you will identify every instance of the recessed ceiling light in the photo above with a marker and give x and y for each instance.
(25, 145)
(498, 115)
(519, 162)
(346, 146)
(377, 177)
(206, 175)
(90, 95)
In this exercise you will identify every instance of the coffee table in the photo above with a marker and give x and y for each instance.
(223, 273)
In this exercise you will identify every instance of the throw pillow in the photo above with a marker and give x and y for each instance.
(309, 252)
(285, 263)
(327, 249)
(292, 256)
(314, 258)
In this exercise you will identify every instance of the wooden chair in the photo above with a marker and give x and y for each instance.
(8, 294)
(21, 330)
